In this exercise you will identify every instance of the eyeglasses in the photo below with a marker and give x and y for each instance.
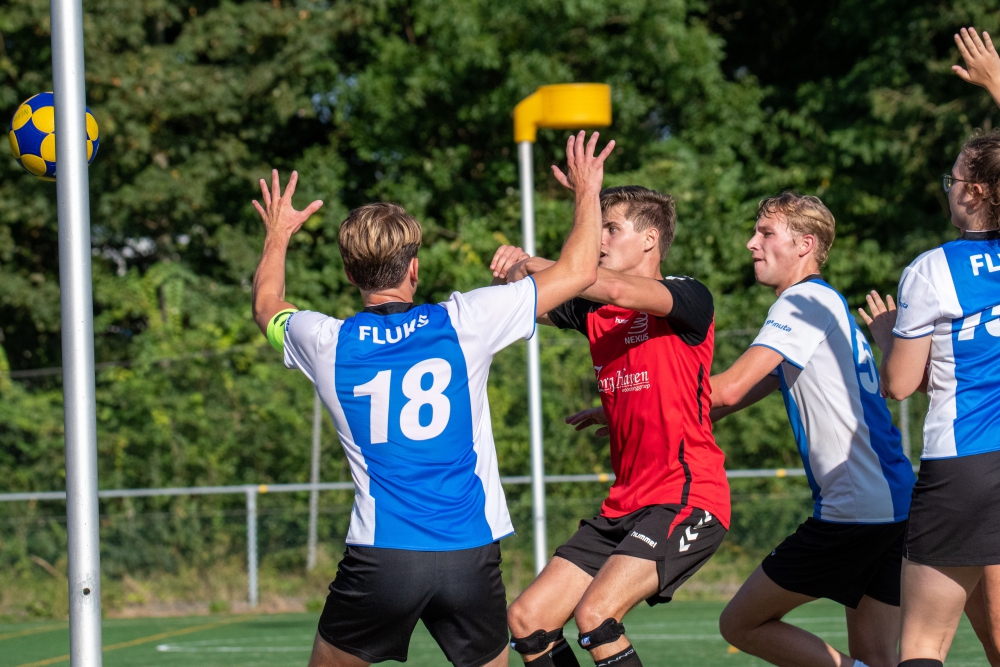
(948, 181)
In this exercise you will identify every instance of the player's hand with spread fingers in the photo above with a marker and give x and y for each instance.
(505, 258)
(585, 171)
(592, 417)
(280, 218)
(881, 320)
(982, 63)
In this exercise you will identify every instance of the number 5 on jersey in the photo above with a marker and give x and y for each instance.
(379, 389)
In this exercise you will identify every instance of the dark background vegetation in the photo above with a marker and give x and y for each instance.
(719, 102)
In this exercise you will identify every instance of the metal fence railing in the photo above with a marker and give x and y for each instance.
(252, 491)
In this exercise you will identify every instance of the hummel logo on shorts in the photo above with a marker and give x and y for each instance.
(640, 536)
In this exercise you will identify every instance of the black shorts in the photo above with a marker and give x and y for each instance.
(679, 538)
(842, 562)
(379, 594)
(955, 514)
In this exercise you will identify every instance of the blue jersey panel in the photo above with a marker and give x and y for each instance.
(883, 435)
(801, 441)
(403, 384)
(975, 270)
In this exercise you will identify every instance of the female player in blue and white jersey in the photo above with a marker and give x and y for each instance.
(946, 335)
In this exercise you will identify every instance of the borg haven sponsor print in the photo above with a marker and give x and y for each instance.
(623, 380)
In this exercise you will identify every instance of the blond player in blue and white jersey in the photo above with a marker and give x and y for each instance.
(405, 385)
(850, 550)
(945, 336)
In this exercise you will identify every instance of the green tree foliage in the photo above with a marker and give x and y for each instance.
(717, 102)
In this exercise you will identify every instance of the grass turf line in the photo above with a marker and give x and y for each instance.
(674, 635)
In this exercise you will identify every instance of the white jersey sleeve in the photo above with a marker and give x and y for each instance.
(305, 333)
(796, 325)
(500, 315)
(918, 303)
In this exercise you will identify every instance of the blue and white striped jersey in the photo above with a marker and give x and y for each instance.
(850, 449)
(407, 393)
(952, 293)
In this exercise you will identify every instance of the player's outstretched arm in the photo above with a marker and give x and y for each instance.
(745, 382)
(576, 268)
(759, 392)
(281, 221)
(646, 295)
(904, 360)
(982, 63)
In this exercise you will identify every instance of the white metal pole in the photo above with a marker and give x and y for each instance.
(904, 425)
(534, 369)
(73, 203)
(314, 480)
(252, 546)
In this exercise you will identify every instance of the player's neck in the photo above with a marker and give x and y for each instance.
(402, 294)
(800, 273)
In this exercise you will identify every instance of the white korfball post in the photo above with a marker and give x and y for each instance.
(534, 368)
(76, 292)
(314, 480)
(252, 545)
(561, 106)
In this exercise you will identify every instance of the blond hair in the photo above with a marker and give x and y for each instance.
(805, 215)
(645, 208)
(377, 242)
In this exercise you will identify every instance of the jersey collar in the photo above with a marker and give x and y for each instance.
(986, 235)
(811, 276)
(389, 308)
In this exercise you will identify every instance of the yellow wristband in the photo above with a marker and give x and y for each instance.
(276, 329)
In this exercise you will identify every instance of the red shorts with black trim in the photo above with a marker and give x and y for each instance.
(679, 538)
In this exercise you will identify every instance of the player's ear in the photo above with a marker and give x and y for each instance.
(807, 243)
(414, 272)
(651, 240)
(349, 278)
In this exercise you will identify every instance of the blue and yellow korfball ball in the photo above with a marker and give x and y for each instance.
(32, 135)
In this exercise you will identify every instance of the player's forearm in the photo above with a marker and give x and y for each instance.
(729, 402)
(726, 393)
(633, 292)
(537, 265)
(994, 91)
(576, 268)
(582, 249)
(748, 380)
(904, 366)
(269, 281)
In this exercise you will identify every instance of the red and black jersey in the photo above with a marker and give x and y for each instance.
(653, 376)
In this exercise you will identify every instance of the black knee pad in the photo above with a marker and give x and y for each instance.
(921, 662)
(561, 655)
(605, 633)
(536, 642)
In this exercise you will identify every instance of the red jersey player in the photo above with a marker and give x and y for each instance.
(651, 339)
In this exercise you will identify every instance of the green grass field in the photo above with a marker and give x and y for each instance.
(681, 633)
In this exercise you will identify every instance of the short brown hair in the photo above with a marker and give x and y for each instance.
(982, 160)
(377, 242)
(805, 215)
(645, 208)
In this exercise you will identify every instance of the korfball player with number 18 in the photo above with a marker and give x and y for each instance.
(406, 387)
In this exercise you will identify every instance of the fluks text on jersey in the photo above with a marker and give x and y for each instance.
(392, 336)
